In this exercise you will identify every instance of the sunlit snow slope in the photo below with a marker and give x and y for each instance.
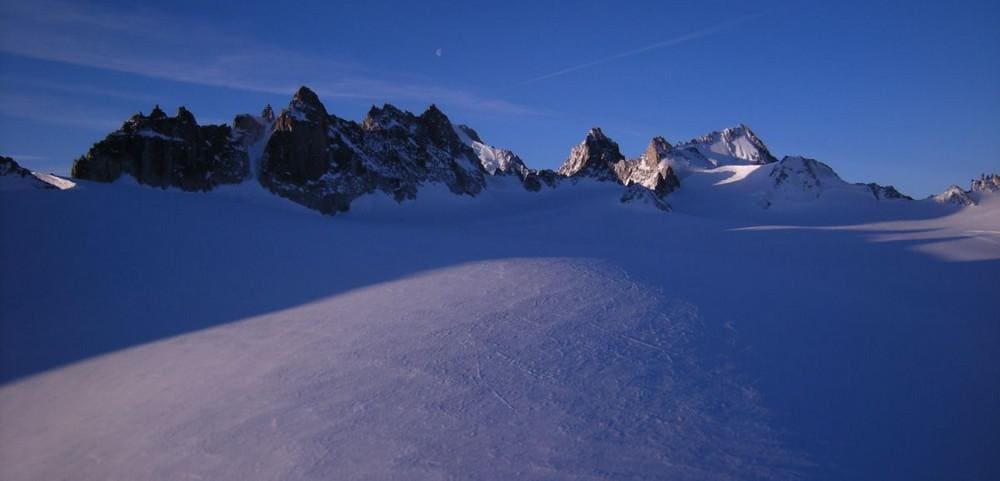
(151, 334)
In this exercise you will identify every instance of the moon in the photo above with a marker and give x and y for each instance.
(438, 52)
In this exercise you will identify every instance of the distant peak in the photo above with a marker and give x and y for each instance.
(157, 113)
(304, 94)
(305, 104)
(185, 115)
(434, 114)
(268, 113)
(385, 109)
(594, 156)
(596, 133)
(657, 150)
(470, 132)
(738, 144)
(660, 144)
(385, 117)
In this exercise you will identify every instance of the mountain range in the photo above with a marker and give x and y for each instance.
(324, 162)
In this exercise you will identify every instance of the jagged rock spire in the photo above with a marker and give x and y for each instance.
(595, 156)
(157, 113)
(185, 116)
(657, 150)
(268, 113)
(305, 105)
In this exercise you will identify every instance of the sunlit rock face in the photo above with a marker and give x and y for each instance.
(986, 183)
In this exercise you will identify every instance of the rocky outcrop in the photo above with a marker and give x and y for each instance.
(598, 157)
(651, 170)
(986, 183)
(10, 168)
(801, 174)
(954, 195)
(887, 192)
(495, 160)
(15, 177)
(594, 158)
(637, 194)
(166, 151)
(326, 162)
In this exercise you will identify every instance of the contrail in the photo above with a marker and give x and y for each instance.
(653, 46)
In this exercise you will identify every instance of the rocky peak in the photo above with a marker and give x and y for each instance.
(439, 128)
(885, 191)
(469, 132)
(986, 183)
(15, 177)
(157, 113)
(494, 160)
(166, 152)
(734, 145)
(305, 106)
(954, 195)
(386, 118)
(799, 173)
(657, 150)
(185, 117)
(267, 114)
(594, 157)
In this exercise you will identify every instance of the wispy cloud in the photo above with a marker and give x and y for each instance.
(158, 45)
(637, 51)
(28, 158)
(75, 88)
(49, 110)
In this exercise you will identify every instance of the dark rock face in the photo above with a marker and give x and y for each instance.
(325, 162)
(885, 192)
(986, 183)
(9, 167)
(636, 193)
(534, 180)
(166, 151)
(267, 113)
(299, 150)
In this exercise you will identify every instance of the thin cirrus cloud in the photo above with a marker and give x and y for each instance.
(161, 46)
(636, 51)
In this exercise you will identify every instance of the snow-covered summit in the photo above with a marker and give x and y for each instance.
(954, 195)
(495, 160)
(15, 177)
(802, 173)
(732, 146)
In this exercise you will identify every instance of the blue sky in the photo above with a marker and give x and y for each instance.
(894, 92)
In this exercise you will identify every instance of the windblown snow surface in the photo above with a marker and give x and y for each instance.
(150, 334)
